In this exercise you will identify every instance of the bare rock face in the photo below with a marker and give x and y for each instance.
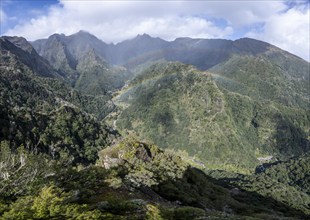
(143, 153)
(109, 162)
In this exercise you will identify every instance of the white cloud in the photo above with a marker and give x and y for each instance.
(120, 20)
(289, 30)
(114, 21)
(239, 13)
(3, 17)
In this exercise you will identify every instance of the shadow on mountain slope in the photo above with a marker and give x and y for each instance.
(164, 174)
(199, 190)
(291, 139)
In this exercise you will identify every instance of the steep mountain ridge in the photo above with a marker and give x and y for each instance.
(26, 54)
(131, 50)
(81, 42)
(55, 51)
(81, 56)
(202, 53)
(76, 44)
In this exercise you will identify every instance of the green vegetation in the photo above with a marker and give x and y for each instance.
(65, 133)
(50, 203)
(147, 165)
(176, 106)
(286, 182)
(265, 80)
(22, 87)
(60, 160)
(176, 180)
(294, 172)
(137, 180)
(97, 77)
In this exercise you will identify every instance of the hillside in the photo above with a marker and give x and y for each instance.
(294, 172)
(139, 181)
(177, 106)
(42, 114)
(285, 181)
(264, 79)
(21, 48)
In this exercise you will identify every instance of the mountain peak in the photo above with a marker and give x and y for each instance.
(24, 54)
(250, 45)
(252, 41)
(143, 35)
(20, 42)
(56, 37)
(84, 37)
(82, 32)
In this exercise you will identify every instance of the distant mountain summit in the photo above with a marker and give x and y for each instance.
(137, 50)
(203, 53)
(64, 52)
(81, 56)
(76, 44)
(20, 50)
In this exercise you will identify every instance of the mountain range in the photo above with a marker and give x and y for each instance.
(153, 129)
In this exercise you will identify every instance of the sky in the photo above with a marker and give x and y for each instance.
(284, 23)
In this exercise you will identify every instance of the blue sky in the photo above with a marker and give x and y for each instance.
(18, 11)
(282, 23)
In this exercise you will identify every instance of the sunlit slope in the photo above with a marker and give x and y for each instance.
(176, 106)
(262, 78)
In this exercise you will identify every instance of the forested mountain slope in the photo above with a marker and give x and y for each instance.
(41, 113)
(253, 101)
(177, 106)
(152, 129)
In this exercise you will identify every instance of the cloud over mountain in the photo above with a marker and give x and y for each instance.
(114, 21)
